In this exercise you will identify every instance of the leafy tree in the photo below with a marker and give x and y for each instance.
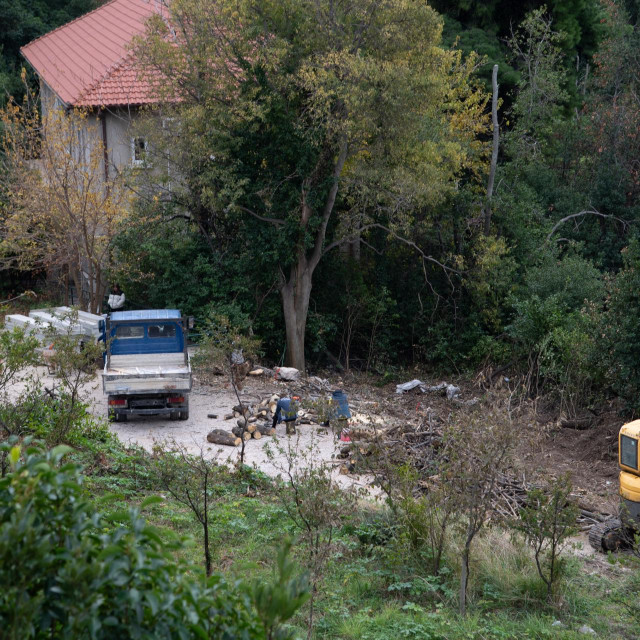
(619, 328)
(17, 352)
(59, 212)
(290, 107)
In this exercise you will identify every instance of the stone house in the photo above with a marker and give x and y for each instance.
(87, 64)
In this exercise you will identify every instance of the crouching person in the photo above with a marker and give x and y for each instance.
(287, 412)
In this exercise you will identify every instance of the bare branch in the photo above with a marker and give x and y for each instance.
(586, 212)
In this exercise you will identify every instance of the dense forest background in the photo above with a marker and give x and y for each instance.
(550, 291)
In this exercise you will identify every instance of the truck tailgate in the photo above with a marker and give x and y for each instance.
(146, 373)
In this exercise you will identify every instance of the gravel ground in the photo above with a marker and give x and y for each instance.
(145, 431)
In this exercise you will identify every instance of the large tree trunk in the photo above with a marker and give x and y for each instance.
(295, 305)
(296, 291)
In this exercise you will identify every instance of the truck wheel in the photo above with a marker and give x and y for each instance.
(174, 415)
(121, 417)
(184, 415)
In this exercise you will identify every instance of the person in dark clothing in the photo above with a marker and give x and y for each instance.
(287, 412)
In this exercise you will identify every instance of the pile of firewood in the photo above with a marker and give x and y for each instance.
(264, 409)
(254, 421)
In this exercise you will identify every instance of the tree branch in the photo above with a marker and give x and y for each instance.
(410, 243)
(586, 212)
(328, 207)
(273, 221)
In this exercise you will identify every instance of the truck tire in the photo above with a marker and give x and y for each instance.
(184, 415)
(121, 417)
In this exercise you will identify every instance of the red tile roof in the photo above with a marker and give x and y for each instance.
(87, 62)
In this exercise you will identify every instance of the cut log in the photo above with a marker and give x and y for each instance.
(251, 428)
(229, 416)
(361, 434)
(252, 419)
(256, 372)
(240, 408)
(239, 432)
(224, 438)
(578, 423)
(266, 430)
(272, 407)
(212, 415)
(256, 434)
(242, 423)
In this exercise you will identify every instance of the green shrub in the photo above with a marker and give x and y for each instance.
(67, 572)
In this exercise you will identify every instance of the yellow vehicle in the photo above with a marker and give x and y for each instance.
(615, 533)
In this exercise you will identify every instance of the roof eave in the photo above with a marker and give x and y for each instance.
(65, 103)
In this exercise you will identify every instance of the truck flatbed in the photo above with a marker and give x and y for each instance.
(148, 373)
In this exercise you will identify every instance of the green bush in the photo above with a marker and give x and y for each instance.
(620, 329)
(68, 572)
(552, 330)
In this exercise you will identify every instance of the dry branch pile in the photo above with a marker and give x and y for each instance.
(371, 450)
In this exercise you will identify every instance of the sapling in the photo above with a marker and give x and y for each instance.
(478, 445)
(189, 479)
(315, 505)
(227, 348)
(547, 520)
(74, 359)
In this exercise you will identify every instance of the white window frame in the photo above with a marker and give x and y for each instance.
(139, 162)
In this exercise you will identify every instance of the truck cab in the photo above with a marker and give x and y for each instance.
(147, 369)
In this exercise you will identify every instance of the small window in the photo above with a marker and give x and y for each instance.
(629, 452)
(162, 331)
(139, 152)
(126, 332)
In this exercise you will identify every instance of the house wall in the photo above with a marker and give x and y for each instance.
(119, 137)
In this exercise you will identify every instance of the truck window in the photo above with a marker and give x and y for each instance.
(162, 330)
(129, 331)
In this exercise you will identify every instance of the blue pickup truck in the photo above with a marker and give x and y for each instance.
(147, 369)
